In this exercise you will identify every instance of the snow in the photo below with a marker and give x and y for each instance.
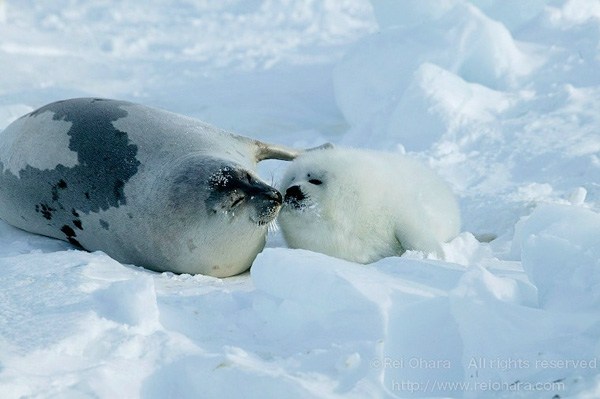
(560, 252)
(500, 97)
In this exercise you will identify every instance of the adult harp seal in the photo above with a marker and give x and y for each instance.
(146, 186)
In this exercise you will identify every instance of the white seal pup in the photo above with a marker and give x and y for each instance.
(363, 205)
(146, 186)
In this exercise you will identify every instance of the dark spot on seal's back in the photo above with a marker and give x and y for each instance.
(61, 185)
(77, 223)
(104, 224)
(106, 161)
(45, 210)
(70, 233)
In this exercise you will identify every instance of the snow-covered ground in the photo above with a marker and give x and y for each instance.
(501, 97)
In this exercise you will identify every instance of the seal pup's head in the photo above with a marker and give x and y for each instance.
(364, 205)
(327, 202)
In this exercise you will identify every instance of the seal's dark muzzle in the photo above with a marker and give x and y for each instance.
(274, 196)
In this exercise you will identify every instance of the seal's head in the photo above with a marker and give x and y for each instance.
(224, 192)
(238, 190)
(219, 215)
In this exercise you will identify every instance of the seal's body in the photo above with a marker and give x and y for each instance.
(146, 186)
(364, 205)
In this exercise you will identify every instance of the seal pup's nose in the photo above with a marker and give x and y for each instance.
(294, 193)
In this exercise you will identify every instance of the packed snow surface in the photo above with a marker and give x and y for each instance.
(501, 98)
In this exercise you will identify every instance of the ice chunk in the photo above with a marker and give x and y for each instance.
(559, 247)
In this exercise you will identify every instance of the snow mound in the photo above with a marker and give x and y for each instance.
(435, 102)
(374, 76)
(560, 251)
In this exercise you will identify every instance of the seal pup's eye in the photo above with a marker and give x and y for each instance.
(316, 182)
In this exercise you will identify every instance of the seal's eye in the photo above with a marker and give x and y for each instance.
(316, 182)
(237, 201)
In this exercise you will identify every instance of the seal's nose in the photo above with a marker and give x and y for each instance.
(294, 193)
(275, 196)
(262, 191)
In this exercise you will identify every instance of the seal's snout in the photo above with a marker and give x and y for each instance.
(266, 193)
(267, 204)
(275, 196)
(294, 194)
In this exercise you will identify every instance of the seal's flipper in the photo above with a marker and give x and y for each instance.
(271, 151)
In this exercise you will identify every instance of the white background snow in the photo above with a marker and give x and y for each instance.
(502, 98)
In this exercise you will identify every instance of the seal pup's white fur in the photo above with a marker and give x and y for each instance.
(364, 205)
